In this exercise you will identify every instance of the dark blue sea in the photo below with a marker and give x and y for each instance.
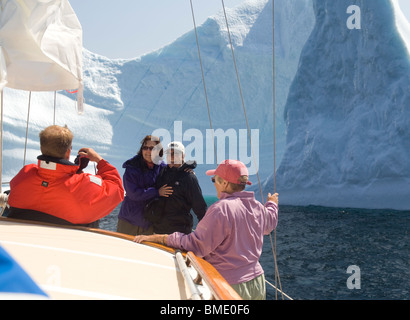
(316, 245)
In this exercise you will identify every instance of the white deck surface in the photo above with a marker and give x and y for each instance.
(75, 264)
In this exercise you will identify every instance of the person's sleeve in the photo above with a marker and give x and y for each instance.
(271, 211)
(111, 179)
(210, 232)
(134, 191)
(98, 195)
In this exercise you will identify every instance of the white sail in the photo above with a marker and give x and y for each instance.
(40, 46)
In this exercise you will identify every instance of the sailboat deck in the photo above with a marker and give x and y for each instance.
(74, 264)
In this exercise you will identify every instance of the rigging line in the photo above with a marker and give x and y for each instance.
(277, 277)
(274, 247)
(55, 103)
(240, 91)
(1, 146)
(249, 133)
(274, 96)
(203, 81)
(278, 290)
(28, 120)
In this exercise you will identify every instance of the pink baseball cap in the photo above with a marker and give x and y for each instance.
(231, 171)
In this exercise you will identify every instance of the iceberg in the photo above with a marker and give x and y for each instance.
(163, 91)
(347, 111)
(342, 97)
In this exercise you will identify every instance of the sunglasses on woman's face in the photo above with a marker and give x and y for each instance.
(213, 179)
(145, 148)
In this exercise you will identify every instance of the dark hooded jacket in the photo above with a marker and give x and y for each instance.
(173, 213)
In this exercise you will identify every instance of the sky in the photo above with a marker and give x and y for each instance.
(131, 28)
(405, 7)
(124, 29)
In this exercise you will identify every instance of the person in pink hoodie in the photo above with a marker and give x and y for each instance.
(230, 236)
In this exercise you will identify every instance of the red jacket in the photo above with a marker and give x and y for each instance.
(55, 188)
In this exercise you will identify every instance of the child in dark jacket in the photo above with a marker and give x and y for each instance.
(173, 213)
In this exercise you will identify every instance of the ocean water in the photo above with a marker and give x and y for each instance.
(316, 245)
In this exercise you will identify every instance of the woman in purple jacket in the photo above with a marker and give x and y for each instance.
(230, 235)
(139, 178)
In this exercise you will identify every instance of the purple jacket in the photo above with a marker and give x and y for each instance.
(230, 236)
(139, 183)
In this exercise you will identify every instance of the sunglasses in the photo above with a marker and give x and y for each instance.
(145, 148)
(213, 179)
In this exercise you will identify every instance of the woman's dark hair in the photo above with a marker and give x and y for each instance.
(150, 138)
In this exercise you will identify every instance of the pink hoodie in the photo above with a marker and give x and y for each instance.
(230, 235)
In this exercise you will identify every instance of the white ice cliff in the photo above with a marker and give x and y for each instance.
(342, 103)
(128, 99)
(347, 113)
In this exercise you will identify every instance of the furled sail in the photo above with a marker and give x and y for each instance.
(40, 46)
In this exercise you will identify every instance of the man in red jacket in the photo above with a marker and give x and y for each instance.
(57, 191)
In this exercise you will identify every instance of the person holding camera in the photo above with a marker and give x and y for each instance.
(57, 191)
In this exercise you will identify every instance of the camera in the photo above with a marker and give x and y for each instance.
(81, 161)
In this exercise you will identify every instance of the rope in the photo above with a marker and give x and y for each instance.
(203, 81)
(1, 146)
(277, 277)
(28, 120)
(240, 91)
(55, 103)
(274, 96)
(284, 294)
(249, 132)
